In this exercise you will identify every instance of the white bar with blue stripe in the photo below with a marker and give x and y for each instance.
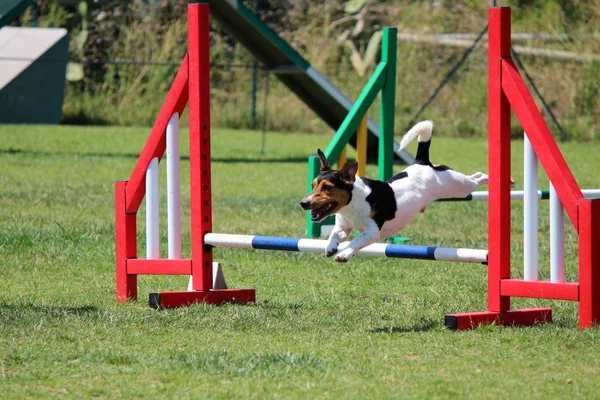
(318, 246)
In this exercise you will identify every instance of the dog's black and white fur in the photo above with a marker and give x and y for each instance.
(381, 209)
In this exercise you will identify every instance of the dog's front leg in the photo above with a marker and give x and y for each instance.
(369, 236)
(339, 234)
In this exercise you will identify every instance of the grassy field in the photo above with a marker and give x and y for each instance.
(372, 328)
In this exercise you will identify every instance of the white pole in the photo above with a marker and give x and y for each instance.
(152, 240)
(530, 213)
(557, 238)
(318, 246)
(591, 193)
(483, 195)
(173, 189)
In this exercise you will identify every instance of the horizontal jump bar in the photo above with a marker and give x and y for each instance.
(319, 246)
(519, 194)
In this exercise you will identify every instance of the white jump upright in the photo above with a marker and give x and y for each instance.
(557, 238)
(173, 197)
(173, 189)
(530, 212)
(152, 237)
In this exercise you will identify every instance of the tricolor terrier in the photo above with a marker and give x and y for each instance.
(381, 209)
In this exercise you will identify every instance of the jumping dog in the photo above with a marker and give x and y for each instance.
(381, 209)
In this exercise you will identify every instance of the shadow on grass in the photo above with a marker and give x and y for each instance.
(425, 326)
(81, 118)
(14, 311)
(225, 160)
(277, 306)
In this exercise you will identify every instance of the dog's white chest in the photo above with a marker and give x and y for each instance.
(355, 215)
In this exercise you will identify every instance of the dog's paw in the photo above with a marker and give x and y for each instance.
(344, 255)
(331, 251)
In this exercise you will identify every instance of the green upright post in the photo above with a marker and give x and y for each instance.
(388, 104)
(384, 79)
(356, 113)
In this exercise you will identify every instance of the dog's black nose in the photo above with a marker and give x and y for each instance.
(305, 204)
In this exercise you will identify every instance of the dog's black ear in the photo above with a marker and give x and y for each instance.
(324, 164)
(349, 170)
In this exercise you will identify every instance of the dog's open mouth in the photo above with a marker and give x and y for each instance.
(318, 214)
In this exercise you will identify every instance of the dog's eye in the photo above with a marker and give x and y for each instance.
(326, 188)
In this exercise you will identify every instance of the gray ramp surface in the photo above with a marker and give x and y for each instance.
(314, 89)
(11, 9)
(33, 62)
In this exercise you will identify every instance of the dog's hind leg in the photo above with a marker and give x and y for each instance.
(456, 184)
(480, 177)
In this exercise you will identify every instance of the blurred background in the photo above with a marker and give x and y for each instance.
(124, 54)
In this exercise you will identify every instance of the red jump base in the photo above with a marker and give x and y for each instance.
(214, 296)
(524, 317)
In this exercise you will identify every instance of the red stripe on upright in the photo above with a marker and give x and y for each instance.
(200, 186)
(126, 245)
(156, 143)
(499, 160)
(589, 262)
(541, 139)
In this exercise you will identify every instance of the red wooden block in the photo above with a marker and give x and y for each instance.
(589, 262)
(126, 245)
(215, 296)
(143, 266)
(156, 143)
(524, 317)
(200, 158)
(541, 139)
(540, 290)
(499, 160)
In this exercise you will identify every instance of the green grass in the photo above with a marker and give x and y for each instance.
(372, 328)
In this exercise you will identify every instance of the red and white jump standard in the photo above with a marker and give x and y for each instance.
(507, 90)
(192, 84)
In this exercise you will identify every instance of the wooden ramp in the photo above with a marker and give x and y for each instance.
(313, 88)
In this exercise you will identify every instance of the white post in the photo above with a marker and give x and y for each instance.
(557, 238)
(530, 213)
(173, 189)
(152, 239)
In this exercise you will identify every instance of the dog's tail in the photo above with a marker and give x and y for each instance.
(423, 130)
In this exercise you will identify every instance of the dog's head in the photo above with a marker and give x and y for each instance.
(331, 189)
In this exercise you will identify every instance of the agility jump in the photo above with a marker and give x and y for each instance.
(192, 84)
(506, 90)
